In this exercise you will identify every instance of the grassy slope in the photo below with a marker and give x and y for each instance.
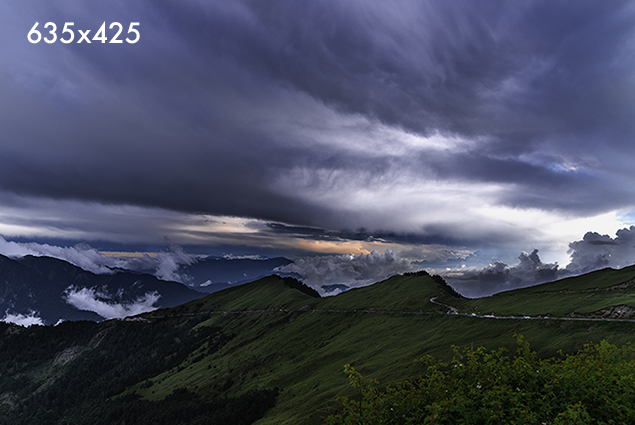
(277, 336)
(300, 343)
(266, 293)
(584, 294)
(303, 351)
(399, 293)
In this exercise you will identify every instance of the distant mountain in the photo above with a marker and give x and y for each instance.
(25, 291)
(42, 286)
(213, 274)
(336, 289)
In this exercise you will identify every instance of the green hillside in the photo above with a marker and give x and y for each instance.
(244, 345)
(410, 292)
(604, 293)
(266, 293)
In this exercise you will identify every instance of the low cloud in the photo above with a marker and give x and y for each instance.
(498, 276)
(23, 320)
(168, 264)
(349, 269)
(597, 251)
(88, 299)
(244, 257)
(81, 255)
(165, 265)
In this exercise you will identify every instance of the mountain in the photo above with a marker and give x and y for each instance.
(211, 274)
(606, 293)
(43, 286)
(27, 292)
(273, 351)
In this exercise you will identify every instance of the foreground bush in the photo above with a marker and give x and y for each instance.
(595, 385)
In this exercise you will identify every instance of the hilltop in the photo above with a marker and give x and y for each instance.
(274, 344)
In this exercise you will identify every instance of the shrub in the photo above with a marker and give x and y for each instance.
(594, 385)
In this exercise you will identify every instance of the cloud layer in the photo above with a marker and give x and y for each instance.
(593, 251)
(461, 125)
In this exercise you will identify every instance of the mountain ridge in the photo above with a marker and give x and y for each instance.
(264, 335)
(211, 274)
(39, 287)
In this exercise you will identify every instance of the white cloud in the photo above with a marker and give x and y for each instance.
(595, 251)
(169, 263)
(80, 255)
(164, 265)
(22, 319)
(88, 299)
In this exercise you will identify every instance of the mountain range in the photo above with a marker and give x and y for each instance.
(272, 351)
(46, 290)
(50, 290)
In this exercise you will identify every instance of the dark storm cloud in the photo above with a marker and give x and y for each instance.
(134, 129)
(518, 72)
(281, 110)
(329, 235)
(298, 230)
(427, 235)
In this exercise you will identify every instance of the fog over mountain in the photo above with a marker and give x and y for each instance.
(163, 265)
(593, 252)
(499, 276)
(45, 290)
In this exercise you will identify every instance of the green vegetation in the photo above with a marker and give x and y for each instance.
(591, 295)
(72, 373)
(271, 344)
(408, 293)
(593, 385)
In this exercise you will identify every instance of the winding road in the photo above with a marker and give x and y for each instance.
(454, 311)
(451, 311)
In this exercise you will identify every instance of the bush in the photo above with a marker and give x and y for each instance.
(594, 385)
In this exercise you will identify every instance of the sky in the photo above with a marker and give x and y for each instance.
(457, 136)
